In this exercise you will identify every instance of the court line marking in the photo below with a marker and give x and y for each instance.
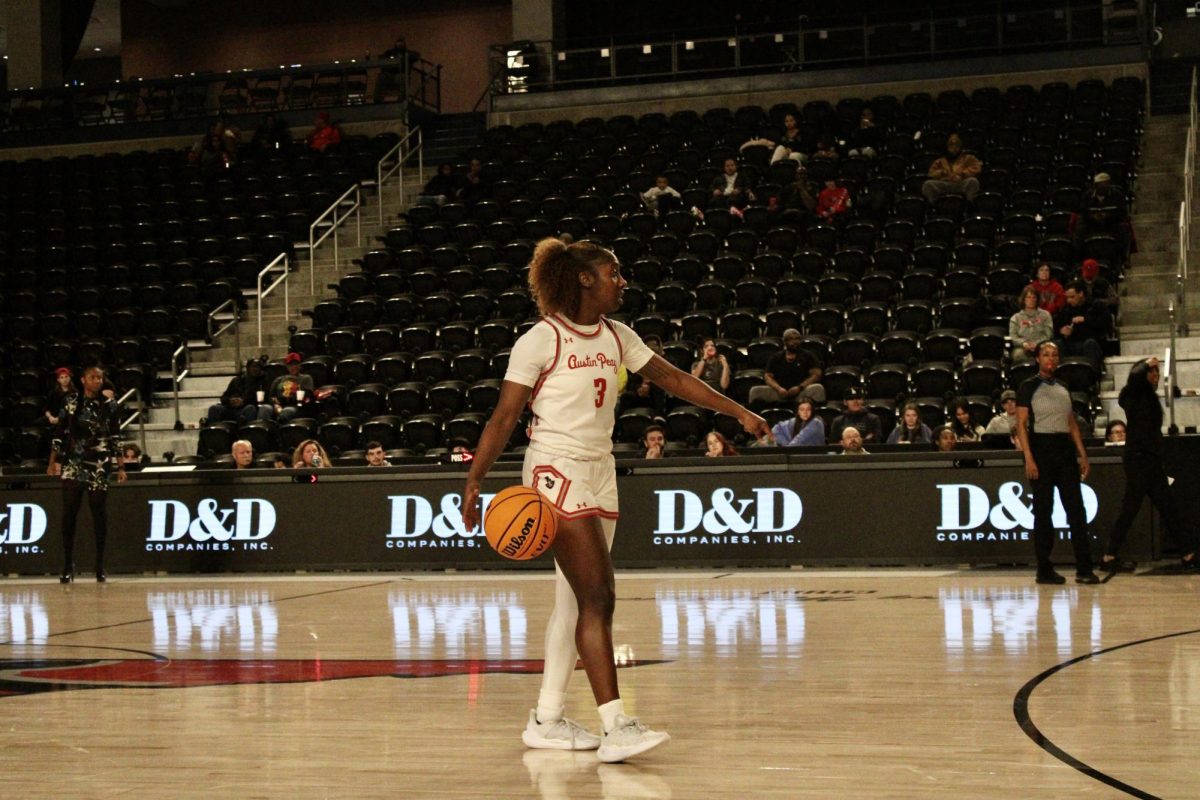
(1027, 725)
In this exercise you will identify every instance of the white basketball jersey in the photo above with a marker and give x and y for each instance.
(573, 372)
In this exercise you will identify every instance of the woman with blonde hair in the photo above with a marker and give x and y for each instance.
(565, 368)
(309, 455)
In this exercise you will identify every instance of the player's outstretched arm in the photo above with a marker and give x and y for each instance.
(513, 399)
(697, 392)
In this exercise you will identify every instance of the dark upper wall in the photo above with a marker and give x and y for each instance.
(222, 34)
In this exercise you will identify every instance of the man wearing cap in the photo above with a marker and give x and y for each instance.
(791, 373)
(1104, 209)
(324, 133)
(242, 401)
(285, 391)
(1099, 290)
(1005, 423)
(865, 423)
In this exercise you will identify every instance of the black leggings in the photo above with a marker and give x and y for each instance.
(1054, 455)
(73, 492)
(1146, 477)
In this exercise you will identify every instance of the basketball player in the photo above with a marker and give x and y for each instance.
(565, 368)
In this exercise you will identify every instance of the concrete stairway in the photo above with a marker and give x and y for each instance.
(1149, 284)
(214, 365)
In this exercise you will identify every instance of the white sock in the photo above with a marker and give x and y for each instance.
(609, 712)
(550, 705)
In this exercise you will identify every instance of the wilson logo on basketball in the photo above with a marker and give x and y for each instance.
(21, 525)
(517, 542)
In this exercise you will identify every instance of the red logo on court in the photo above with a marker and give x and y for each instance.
(59, 675)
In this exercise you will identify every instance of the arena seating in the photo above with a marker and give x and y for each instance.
(902, 300)
(117, 259)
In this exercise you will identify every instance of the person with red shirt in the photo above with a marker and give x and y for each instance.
(833, 201)
(324, 134)
(1051, 295)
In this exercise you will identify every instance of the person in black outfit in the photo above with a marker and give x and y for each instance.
(857, 417)
(87, 438)
(241, 402)
(1145, 474)
(1082, 324)
(1047, 430)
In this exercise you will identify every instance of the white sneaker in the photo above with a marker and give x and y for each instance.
(628, 738)
(563, 734)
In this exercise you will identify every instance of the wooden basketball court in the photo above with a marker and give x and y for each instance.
(781, 684)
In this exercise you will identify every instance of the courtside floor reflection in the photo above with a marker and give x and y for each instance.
(796, 683)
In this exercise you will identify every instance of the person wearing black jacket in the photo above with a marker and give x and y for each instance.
(1145, 474)
(240, 402)
(1082, 325)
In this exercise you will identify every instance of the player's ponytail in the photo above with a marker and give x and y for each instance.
(554, 273)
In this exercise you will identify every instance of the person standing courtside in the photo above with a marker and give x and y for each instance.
(1144, 470)
(565, 368)
(87, 438)
(1048, 432)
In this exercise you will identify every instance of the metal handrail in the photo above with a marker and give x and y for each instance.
(139, 415)
(314, 240)
(382, 175)
(262, 293)
(1168, 369)
(1185, 210)
(177, 376)
(234, 323)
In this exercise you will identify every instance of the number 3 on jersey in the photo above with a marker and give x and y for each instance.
(601, 387)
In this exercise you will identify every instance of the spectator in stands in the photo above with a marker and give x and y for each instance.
(805, 429)
(791, 373)
(1029, 326)
(289, 392)
(866, 139)
(243, 454)
(1099, 290)
(944, 439)
(443, 186)
(866, 424)
(280, 461)
(210, 153)
(731, 189)
(375, 456)
(1114, 432)
(1103, 209)
(662, 197)
(791, 144)
(1051, 294)
(962, 421)
(798, 200)
(131, 454)
(826, 148)
(325, 134)
(64, 387)
(475, 185)
(954, 173)
(717, 446)
(852, 442)
(1082, 325)
(271, 134)
(712, 368)
(833, 203)
(654, 440)
(310, 455)
(911, 429)
(1004, 423)
(244, 398)
(641, 392)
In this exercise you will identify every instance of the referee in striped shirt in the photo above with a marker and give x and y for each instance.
(1050, 439)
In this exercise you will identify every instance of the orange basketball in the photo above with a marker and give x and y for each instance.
(519, 523)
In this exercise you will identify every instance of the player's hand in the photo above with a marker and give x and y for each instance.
(1084, 468)
(1031, 470)
(756, 426)
(470, 506)
(121, 476)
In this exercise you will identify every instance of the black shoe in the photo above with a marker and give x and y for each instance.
(66, 577)
(101, 577)
(1088, 577)
(1050, 577)
(1116, 565)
